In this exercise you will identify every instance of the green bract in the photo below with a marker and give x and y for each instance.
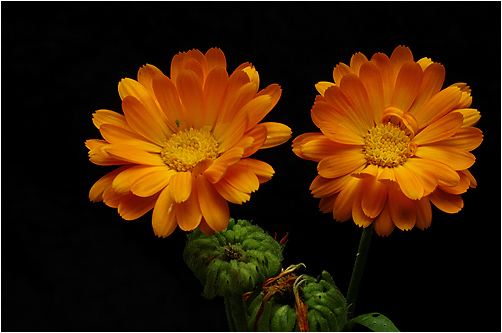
(234, 260)
(327, 308)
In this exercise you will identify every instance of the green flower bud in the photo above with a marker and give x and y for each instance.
(297, 303)
(232, 261)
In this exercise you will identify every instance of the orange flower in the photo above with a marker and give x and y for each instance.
(184, 142)
(392, 142)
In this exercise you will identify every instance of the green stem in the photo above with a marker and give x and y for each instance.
(236, 313)
(357, 272)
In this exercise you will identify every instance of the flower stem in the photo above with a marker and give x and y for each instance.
(357, 272)
(236, 313)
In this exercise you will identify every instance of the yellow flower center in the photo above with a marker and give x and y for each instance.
(187, 148)
(387, 145)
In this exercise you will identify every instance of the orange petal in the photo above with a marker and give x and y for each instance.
(347, 110)
(213, 206)
(190, 91)
(471, 116)
(153, 182)
(383, 223)
(256, 114)
(340, 134)
(358, 215)
(382, 62)
(117, 134)
(214, 91)
(467, 138)
(440, 129)
(342, 207)
(215, 58)
(426, 174)
(403, 210)
(242, 178)
(323, 187)
(326, 203)
(399, 56)
(432, 82)
(124, 180)
(449, 203)
(354, 88)
(374, 197)
(372, 79)
(146, 74)
(253, 140)
(98, 155)
(188, 212)
(408, 84)
(424, 213)
(321, 86)
(142, 121)
(216, 170)
(409, 183)
(103, 116)
(277, 134)
(455, 158)
(356, 61)
(181, 186)
(131, 154)
(132, 207)
(97, 190)
(339, 71)
(230, 193)
(169, 101)
(442, 172)
(340, 165)
(164, 215)
(439, 105)
(262, 170)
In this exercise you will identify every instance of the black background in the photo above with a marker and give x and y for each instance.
(71, 265)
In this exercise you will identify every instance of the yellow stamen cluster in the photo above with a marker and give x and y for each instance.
(387, 145)
(186, 148)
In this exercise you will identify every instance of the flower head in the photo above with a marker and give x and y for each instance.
(392, 142)
(184, 142)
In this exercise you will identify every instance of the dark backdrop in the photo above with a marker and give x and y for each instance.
(71, 265)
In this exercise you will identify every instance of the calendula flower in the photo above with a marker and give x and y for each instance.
(392, 142)
(184, 142)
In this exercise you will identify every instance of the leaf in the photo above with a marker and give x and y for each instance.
(376, 322)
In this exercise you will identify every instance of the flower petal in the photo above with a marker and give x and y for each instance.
(321, 86)
(403, 210)
(441, 129)
(131, 154)
(340, 134)
(214, 91)
(448, 203)
(117, 134)
(439, 105)
(277, 134)
(408, 84)
(213, 206)
(383, 223)
(429, 170)
(216, 170)
(340, 165)
(374, 197)
(424, 213)
(241, 178)
(188, 212)
(323, 187)
(190, 91)
(152, 182)
(432, 82)
(97, 190)
(457, 159)
(132, 207)
(372, 79)
(169, 101)
(354, 88)
(164, 214)
(409, 183)
(124, 180)
(181, 186)
(262, 170)
(142, 121)
(342, 207)
(215, 58)
(230, 193)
